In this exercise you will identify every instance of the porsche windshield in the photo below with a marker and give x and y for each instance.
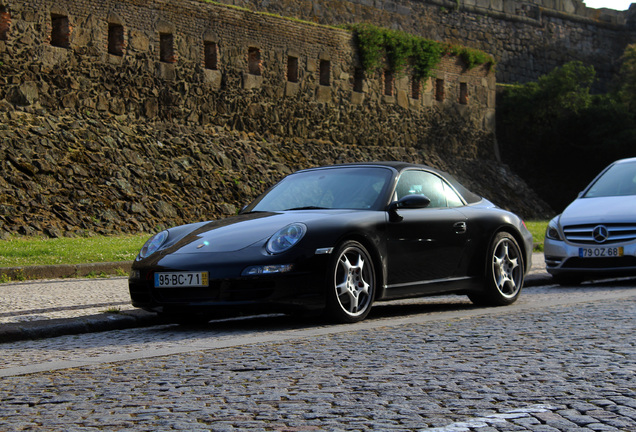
(334, 188)
(618, 180)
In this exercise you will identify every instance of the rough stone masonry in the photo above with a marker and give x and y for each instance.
(116, 117)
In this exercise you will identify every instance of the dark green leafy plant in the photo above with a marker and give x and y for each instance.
(398, 49)
(471, 57)
(370, 43)
(426, 55)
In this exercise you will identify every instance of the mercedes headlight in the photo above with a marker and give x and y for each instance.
(552, 232)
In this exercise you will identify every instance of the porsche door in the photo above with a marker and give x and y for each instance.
(426, 244)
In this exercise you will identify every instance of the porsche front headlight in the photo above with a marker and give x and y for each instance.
(153, 245)
(286, 238)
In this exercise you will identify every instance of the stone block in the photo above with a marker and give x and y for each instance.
(323, 94)
(252, 81)
(138, 41)
(402, 99)
(51, 57)
(291, 88)
(26, 93)
(357, 98)
(166, 71)
(212, 78)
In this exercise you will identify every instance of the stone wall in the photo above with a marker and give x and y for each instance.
(198, 63)
(76, 175)
(129, 116)
(528, 38)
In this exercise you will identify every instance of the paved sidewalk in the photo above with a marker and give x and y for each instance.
(49, 307)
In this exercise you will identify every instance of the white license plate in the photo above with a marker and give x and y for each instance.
(601, 252)
(181, 279)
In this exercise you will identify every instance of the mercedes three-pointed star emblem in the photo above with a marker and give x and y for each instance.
(600, 233)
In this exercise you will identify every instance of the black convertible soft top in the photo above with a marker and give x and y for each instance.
(469, 197)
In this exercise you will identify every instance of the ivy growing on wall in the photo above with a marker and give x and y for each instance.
(471, 57)
(398, 49)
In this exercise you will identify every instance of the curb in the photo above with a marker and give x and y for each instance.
(20, 331)
(31, 330)
(137, 318)
(65, 271)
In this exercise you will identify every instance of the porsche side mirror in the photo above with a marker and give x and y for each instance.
(407, 202)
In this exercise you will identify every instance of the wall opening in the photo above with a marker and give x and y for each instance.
(358, 80)
(5, 23)
(463, 93)
(292, 69)
(116, 39)
(388, 82)
(439, 90)
(254, 61)
(325, 72)
(416, 87)
(211, 55)
(166, 48)
(60, 31)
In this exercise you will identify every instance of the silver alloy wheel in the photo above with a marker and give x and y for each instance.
(507, 268)
(354, 281)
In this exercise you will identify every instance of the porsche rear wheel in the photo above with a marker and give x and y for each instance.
(504, 273)
(351, 283)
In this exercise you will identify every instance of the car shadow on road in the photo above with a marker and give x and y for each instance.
(280, 322)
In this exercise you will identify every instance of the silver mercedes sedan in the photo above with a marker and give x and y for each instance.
(595, 236)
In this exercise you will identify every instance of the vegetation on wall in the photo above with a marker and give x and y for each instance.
(378, 45)
(558, 135)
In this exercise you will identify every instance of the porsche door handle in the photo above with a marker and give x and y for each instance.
(460, 227)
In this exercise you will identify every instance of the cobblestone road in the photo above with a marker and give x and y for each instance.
(547, 364)
(62, 298)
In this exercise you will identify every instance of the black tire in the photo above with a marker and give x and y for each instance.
(505, 273)
(350, 283)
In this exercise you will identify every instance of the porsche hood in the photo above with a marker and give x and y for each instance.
(236, 233)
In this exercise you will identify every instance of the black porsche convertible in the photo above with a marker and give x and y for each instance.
(337, 239)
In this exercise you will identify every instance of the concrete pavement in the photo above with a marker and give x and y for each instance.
(49, 306)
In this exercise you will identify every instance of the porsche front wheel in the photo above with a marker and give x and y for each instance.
(351, 283)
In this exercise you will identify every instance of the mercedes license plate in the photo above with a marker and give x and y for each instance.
(181, 279)
(601, 252)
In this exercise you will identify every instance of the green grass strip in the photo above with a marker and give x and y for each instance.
(29, 251)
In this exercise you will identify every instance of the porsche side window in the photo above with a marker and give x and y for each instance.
(452, 199)
(423, 183)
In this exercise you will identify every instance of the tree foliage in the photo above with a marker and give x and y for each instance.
(627, 91)
(558, 135)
